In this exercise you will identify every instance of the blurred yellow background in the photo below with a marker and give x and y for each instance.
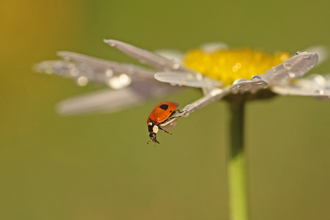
(99, 166)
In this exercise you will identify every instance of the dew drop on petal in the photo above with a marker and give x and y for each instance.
(292, 75)
(199, 76)
(239, 81)
(319, 91)
(124, 79)
(119, 82)
(256, 78)
(82, 81)
(114, 83)
(287, 66)
(306, 55)
(298, 52)
(318, 79)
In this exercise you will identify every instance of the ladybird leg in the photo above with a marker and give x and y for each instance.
(178, 115)
(164, 130)
(173, 117)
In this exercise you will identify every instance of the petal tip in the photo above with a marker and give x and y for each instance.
(110, 42)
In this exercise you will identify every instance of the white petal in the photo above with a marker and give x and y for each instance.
(147, 57)
(84, 69)
(171, 54)
(169, 124)
(57, 67)
(213, 46)
(244, 85)
(114, 100)
(314, 85)
(294, 67)
(210, 97)
(321, 51)
(185, 79)
(210, 84)
(104, 67)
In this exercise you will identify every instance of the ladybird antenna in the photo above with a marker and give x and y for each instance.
(148, 141)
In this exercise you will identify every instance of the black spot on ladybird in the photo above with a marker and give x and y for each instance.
(164, 106)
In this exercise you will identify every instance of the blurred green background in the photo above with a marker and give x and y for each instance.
(99, 166)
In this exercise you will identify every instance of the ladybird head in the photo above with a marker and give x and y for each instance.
(153, 129)
(153, 137)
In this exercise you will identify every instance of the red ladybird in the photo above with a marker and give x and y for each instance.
(160, 118)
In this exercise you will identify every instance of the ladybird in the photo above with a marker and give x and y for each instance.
(160, 118)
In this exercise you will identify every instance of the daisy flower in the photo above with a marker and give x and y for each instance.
(234, 75)
(221, 73)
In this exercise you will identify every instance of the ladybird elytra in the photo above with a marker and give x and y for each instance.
(159, 115)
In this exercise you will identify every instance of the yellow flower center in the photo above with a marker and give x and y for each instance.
(230, 65)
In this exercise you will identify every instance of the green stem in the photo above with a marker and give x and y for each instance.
(236, 163)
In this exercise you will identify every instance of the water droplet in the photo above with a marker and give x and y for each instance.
(124, 79)
(318, 79)
(292, 75)
(298, 52)
(320, 91)
(82, 81)
(256, 78)
(119, 82)
(239, 81)
(287, 66)
(199, 76)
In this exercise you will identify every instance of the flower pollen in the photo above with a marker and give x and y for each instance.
(231, 64)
